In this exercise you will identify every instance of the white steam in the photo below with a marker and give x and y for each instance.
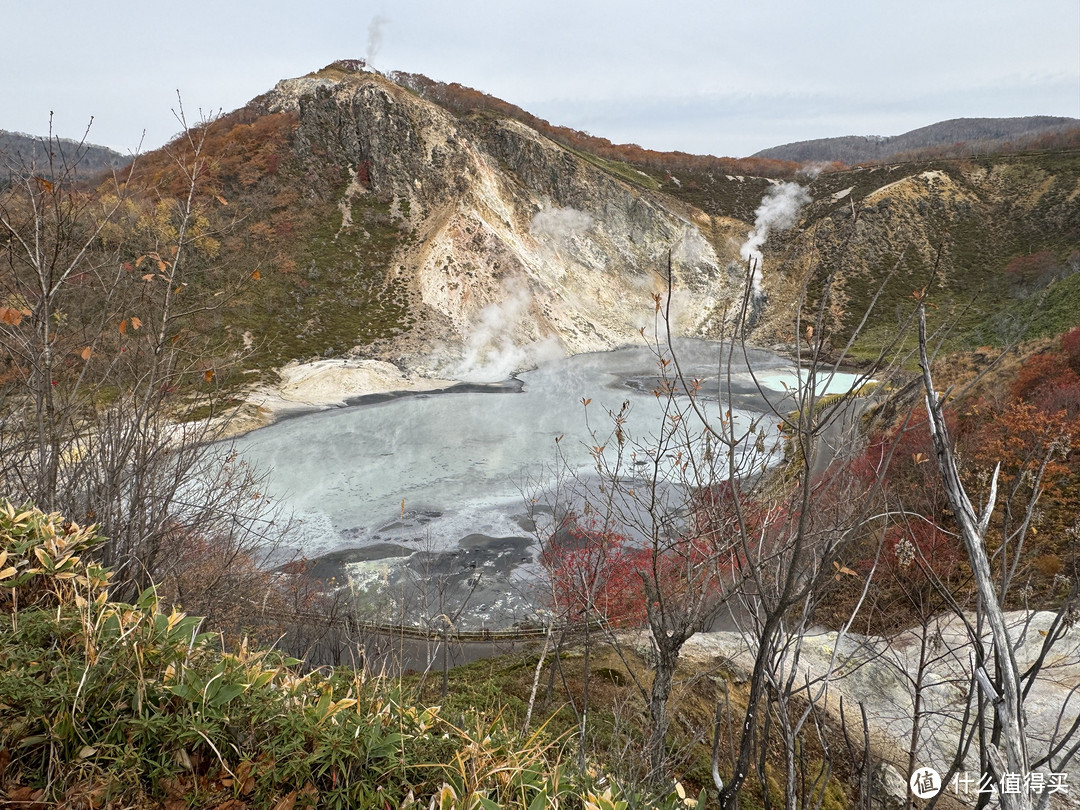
(492, 353)
(778, 211)
(558, 226)
(692, 249)
(811, 170)
(375, 37)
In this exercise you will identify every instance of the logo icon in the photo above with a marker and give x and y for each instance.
(925, 783)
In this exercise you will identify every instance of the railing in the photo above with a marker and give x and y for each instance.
(352, 624)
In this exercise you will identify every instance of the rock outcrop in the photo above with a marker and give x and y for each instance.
(882, 674)
(515, 246)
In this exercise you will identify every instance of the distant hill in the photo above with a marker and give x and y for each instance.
(20, 150)
(958, 136)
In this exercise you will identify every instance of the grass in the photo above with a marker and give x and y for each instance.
(1053, 310)
(106, 704)
(624, 171)
(342, 293)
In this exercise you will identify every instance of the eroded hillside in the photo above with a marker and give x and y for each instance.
(997, 238)
(346, 214)
(493, 235)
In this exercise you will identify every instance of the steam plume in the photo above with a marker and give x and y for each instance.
(778, 211)
(559, 225)
(375, 37)
(492, 354)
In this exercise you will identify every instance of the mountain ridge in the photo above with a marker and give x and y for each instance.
(21, 149)
(378, 223)
(974, 134)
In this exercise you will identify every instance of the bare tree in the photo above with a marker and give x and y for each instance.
(999, 716)
(108, 287)
(723, 531)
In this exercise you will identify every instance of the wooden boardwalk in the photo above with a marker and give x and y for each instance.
(357, 627)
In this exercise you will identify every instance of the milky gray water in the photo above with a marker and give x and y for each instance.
(449, 474)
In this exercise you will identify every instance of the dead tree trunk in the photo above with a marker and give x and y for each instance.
(973, 526)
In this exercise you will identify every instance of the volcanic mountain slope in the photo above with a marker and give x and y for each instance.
(997, 238)
(504, 243)
(995, 242)
(494, 242)
(358, 217)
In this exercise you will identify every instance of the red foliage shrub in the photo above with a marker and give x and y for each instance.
(918, 549)
(1037, 372)
(1032, 268)
(1070, 344)
(594, 574)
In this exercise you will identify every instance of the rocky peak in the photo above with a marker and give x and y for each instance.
(510, 236)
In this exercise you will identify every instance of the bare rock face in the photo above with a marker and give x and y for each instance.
(888, 788)
(884, 674)
(515, 247)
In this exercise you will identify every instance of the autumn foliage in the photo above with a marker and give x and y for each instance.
(1034, 268)
(1032, 429)
(595, 575)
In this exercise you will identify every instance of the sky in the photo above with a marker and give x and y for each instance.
(717, 77)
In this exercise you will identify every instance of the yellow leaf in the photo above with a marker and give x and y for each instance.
(135, 323)
(85, 353)
(840, 569)
(221, 199)
(140, 260)
(256, 275)
(161, 265)
(123, 326)
(208, 375)
(149, 277)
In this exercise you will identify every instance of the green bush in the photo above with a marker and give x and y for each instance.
(103, 702)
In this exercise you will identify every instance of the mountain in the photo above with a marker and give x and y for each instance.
(344, 213)
(995, 241)
(386, 221)
(18, 149)
(960, 135)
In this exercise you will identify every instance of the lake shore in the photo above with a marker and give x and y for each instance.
(321, 384)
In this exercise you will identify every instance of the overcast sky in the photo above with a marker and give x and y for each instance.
(720, 77)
